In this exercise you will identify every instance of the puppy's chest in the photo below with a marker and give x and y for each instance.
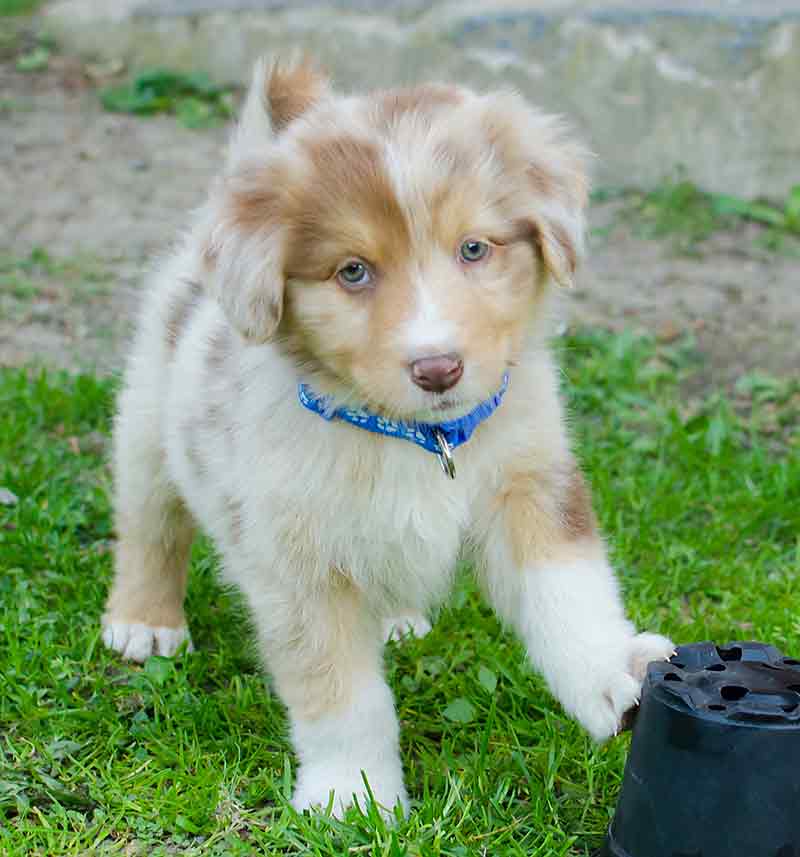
(377, 507)
(386, 495)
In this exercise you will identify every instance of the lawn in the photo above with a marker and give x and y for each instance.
(701, 503)
(18, 7)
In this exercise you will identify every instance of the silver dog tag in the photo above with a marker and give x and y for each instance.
(445, 455)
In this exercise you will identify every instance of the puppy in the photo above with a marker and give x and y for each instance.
(362, 299)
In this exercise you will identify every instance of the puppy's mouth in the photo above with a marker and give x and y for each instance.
(445, 404)
(441, 409)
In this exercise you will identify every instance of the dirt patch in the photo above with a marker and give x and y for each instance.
(739, 302)
(110, 192)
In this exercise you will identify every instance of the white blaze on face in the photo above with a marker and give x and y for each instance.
(427, 332)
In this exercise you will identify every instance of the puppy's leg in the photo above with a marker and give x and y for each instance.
(144, 614)
(547, 575)
(325, 654)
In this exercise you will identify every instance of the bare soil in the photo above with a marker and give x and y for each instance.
(104, 194)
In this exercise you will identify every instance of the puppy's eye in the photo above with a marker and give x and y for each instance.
(473, 251)
(354, 274)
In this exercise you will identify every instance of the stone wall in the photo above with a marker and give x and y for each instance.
(710, 86)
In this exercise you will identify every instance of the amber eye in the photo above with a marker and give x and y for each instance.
(473, 251)
(354, 274)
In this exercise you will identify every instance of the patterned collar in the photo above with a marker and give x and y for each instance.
(438, 438)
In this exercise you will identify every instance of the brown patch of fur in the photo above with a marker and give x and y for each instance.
(546, 511)
(531, 516)
(151, 573)
(181, 311)
(291, 91)
(254, 201)
(345, 208)
(561, 236)
(525, 230)
(579, 517)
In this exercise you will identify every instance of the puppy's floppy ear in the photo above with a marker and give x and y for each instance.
(291, 88)
(244, 250)
(557, 217)
(279, 93)
(244, 255)
(548, 173)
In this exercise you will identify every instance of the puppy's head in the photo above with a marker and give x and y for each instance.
(396, 245)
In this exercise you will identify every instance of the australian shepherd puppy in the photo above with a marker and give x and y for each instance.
(342, 375)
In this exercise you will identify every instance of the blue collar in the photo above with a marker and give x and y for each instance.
(439, 438)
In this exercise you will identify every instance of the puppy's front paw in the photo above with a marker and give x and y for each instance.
(136, 641)
(314, 787)
(410, 624)
(646, 648)
(617, 686)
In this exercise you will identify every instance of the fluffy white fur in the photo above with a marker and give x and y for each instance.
(336, 751)
(339, 538)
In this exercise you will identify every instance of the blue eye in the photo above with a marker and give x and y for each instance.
(473, 251)
(354, 274)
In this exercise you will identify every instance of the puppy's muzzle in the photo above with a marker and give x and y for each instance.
(437, 374)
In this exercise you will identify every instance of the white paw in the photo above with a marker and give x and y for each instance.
(335, 748)
(136, 641)
(404, 625)
(646, 648)
(616, 688)
(314, 787)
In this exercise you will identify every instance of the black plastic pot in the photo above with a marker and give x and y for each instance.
(714, 766)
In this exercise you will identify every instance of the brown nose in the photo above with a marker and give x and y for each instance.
(437, 374)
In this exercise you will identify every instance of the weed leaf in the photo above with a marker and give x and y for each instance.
(460, 711)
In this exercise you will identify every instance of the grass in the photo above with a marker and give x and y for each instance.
(18, 7)
(701, 502)
(40, 278)
(36, 59)
(680, 211)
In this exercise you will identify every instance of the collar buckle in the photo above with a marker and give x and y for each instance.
(445, 454)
